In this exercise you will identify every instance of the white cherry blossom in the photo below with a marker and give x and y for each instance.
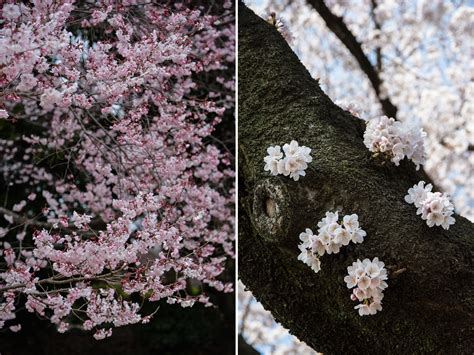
(330, 238)
(368, 277)
(272, 159)
(293, 163)
(434, 207)
(417, 194)
(395, 139)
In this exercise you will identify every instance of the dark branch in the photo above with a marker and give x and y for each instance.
(337, 25)
(25, 220)
(378, 50)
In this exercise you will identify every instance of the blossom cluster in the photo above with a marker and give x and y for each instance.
(368, 277)
(330, 238)
(353, 107)
(280, 25)
(120, 193)
(395, 139)
(293, 162)
(434, 207)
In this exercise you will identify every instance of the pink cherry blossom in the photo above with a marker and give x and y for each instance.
(121, 181)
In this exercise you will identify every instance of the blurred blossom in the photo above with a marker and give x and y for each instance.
(259, 329)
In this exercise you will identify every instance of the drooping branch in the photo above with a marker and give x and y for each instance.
(62, 281)
(24, 220)
(428, 304)
(337, 25)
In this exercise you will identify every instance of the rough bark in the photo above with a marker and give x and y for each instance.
(428, 305)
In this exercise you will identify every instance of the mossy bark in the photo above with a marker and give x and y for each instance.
(428, 305)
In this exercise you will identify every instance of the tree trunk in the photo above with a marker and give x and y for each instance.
(428, 305)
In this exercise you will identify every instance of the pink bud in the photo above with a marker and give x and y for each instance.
(63, 221)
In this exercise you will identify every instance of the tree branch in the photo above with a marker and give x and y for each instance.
(428, 306)
(24, 220)
(337, 25)
(64, 281)
(378, 50)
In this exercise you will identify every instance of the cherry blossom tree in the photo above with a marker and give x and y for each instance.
(427, 304)
(115, 192)
(360, 56)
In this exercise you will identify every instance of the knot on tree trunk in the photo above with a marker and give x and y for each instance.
(282, 208)
(271, 209)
